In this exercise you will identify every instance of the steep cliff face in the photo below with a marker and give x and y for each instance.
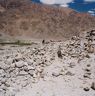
(30, 20)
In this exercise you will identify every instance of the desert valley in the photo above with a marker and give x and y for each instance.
(45, 50)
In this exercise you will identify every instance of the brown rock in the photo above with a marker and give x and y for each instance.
(93, 85)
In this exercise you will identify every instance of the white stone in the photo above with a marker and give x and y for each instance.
(13, 65)
(23, 73)
(31, 68)
(19, 64)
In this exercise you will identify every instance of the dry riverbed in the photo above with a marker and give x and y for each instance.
(64, 68)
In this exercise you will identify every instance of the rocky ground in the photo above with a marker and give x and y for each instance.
(63, 68)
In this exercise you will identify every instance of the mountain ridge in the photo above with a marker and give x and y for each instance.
(31, 20)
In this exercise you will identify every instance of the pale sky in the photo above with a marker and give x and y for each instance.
(56, 1)
(61, 1)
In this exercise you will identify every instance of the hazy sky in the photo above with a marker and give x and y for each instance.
(63, 1)
(56, 1)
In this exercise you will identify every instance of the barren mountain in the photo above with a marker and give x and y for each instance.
(22, 19)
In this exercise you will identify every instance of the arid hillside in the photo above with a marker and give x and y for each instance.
(22, 19)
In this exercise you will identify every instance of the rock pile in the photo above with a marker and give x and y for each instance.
(23, 66)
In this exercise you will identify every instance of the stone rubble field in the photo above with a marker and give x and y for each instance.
(63, 68)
